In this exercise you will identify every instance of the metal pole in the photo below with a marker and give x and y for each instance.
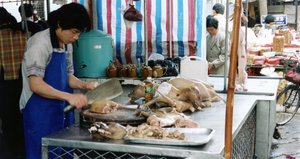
(146, 32)
(24, 19)
(226, 46)
(95, 20)
(48, 7)
(246, 25)
(170, 28)
(296, 19)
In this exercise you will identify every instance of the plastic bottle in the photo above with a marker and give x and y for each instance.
(139, 68)
(149, 90)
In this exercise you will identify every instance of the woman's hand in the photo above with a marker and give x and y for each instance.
(76, 83)
(78, 100)
(210, 66)
(90, 85)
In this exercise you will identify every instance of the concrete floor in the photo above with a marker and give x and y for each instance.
(288, 147)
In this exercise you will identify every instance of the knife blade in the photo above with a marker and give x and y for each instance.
(108, 90)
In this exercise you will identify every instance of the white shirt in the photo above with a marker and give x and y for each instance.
(36, 58)
(222, 23)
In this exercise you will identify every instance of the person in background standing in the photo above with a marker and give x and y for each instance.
(32, 26)
(242, 76)
(215, 47)
(12, 48)
(41, 21)
(218, 13)
(48, 78)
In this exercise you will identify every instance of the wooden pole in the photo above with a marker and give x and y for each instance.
(231, 78)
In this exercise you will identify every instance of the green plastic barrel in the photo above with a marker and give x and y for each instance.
(93, 52)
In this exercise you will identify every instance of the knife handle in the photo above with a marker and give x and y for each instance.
(69, 108)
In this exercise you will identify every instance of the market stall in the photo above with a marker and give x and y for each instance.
(171, 33)
(253, 125)
(277, 52)
(253, 114)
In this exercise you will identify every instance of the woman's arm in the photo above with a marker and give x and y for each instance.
(74, 82)
(221, 58)
(40, 87)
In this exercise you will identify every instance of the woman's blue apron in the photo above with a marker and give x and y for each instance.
(44, 116)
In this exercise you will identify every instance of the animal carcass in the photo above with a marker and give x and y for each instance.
(182, 100)
(207, 92)
(165, 117)
(153, 132)
(112, 131)
(104, 106)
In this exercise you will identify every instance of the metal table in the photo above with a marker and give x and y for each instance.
(252, 127)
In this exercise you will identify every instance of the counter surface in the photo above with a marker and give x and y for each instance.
(213, 117)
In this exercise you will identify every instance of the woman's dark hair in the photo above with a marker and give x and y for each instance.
(72, 15)
(69, 16)
(212, 22)
(269, 19)
(7, 20)
(219, 8)
(28, 8)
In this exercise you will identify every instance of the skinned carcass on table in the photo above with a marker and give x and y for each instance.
(186, 95)
(168, 95)
(173, 101)
(166, 117)
(113, 130)
(183, 94)
(153, 132)
(207, 92)
(103, 106)
(137, 93)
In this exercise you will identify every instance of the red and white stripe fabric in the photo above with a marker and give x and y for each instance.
(129, 45)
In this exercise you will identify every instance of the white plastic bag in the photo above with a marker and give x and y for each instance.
(194, 69)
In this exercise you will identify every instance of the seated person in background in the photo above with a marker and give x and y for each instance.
(268, 30)
(32, 26)
(215, 47)
(12, 48)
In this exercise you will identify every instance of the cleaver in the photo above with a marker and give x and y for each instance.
(108, 90)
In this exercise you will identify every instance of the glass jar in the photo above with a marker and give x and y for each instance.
(286, 34)
(278, 43)
(146, 71)
(132, 71)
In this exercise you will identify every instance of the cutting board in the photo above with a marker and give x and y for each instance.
(123, 115)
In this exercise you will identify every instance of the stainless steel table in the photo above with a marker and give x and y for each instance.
(253, 115)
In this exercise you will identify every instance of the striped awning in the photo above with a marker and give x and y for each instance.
(129, 43)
